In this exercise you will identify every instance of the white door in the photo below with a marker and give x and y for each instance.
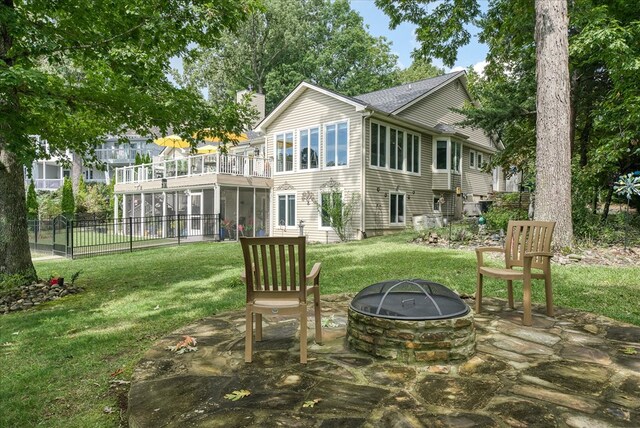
(194, 212)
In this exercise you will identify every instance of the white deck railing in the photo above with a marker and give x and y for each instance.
(195, 166)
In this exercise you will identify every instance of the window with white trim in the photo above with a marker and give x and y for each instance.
(336, 144)
(472, 159)
(378, 145)
(402, 151)
(309, 148)
(441, 154)
(456, 156)
(287, 209)
(284, 152)
(479, 163)
(396, 208)
(331, 207)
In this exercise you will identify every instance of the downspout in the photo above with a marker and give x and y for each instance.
(363, 174)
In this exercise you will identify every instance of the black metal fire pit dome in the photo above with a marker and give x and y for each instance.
(409, 299)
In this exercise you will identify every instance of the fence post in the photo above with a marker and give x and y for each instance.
(71, 239)
(131, 234)
(53, 236)
(178, 229)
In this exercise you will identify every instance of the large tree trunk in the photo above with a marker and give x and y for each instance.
(15, 256)
(553, 150)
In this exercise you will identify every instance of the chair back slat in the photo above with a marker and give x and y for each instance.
(527, 237)
(275, 265)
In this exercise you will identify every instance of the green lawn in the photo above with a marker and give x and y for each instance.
(57, 360)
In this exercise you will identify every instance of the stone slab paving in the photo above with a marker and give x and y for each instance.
(574, 370)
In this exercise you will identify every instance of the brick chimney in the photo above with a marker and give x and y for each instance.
(257, 101)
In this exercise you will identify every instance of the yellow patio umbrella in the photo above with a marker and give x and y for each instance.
(207, 149)
(240, 138)
(173, 141)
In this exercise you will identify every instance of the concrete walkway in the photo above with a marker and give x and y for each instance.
(574, 370)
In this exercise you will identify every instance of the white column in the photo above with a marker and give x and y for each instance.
(115, 213)
(164, 214)
(216, 207)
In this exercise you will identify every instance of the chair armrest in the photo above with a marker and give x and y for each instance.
(489, 249)
(481, 250)
(315, 271)
(538, 254)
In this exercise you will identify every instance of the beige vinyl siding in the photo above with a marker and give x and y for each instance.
(474, 181)
(435, 108)
(417, 188)
(440, 181)
(310, 109)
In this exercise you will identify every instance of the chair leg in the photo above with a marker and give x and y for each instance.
(510, 293)
(479, 293)
(317, 314)
(248, 341)
(527, 318)
(258, 327)
(548, 293)
(303, 334)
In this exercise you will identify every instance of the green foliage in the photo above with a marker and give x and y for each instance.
(323, 42)
(49, 203)
(418, 70)
(67, 202)
(32, 202)
(9, 283)
(138, 159)
(498, 217)
(337, 212)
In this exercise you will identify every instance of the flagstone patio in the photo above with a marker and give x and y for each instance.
(575, 370)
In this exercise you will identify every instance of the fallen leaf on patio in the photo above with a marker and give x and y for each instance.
(117, 372)
(236, 395)
(311, 403)
(629, 350)
(186, 345)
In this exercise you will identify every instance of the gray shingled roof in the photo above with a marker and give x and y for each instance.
(390, 100)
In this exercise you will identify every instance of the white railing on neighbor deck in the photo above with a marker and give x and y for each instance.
(47, 184)
(197, 165)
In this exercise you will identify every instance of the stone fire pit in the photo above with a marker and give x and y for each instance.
(412, 321)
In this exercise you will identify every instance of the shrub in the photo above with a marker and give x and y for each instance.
(498, 217)
(67, 204)
(32, 202)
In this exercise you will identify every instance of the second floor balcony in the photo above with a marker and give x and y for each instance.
(191, 166)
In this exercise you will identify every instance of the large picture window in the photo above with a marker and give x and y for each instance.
(287, 210)
(396, 208)
(284, 152)
(394, 149)
(309, 148)
(336, 144)
(441, 154)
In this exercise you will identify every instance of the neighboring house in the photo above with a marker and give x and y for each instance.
(397, 150)
(49, 174)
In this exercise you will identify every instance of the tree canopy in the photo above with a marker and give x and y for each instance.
(320, 41)
(73, 72)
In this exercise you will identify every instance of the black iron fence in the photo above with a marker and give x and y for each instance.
(86, 236)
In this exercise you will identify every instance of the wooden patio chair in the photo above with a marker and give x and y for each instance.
(277, 283)
(527, 246)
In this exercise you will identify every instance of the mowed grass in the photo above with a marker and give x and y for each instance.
(57, 360)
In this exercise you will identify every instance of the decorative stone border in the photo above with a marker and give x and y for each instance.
(28, 296)
(432, 341)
